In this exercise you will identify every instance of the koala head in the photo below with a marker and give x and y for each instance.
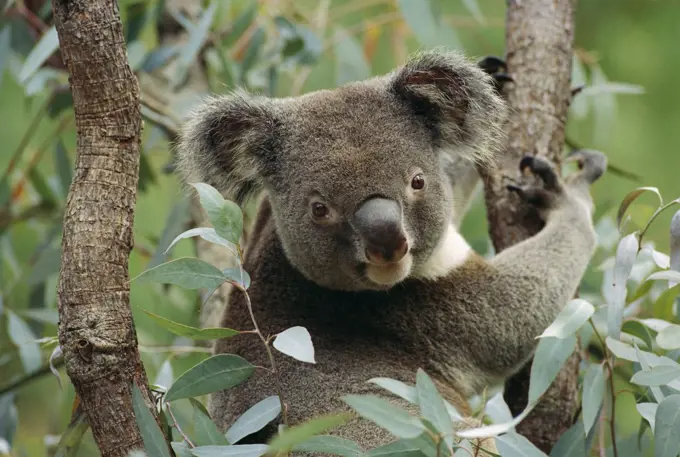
(355, 175)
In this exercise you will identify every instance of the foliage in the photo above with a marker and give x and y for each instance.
(629, 331)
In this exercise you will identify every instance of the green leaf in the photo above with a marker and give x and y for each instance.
(350, 60)
(205, 430)
(42, 315)
(207, 233)
(669, 337)
(24, 339)
(181, 449)
(329, 444)
(238, 450)
(593, 395)
(398, 388)
(515, 445)
(399, 448)
(218, 372)
(495, 429)
(572, 443)
(667, 427)
(631, 197)
(297, 343)
(626, 253)
(674, 260)
(659, 375)
(420, 18)
(252, 52)
(192, 332)
(613, 88)
(432, 406)
(254, 419)
(570, 319)
(636, 328)
(386, 415)
(63, 166)
(47, 264)
(473, 8)
(666, 275)
(174, 223)
(550, 355)
(648, 412)
(42, 51)
(42, 188)
(185, 272)
(5, 48)
(238, 276)
(70, 439)
(298, 434)
(240, 25)
(154, 441)
(197, 36)
(224, 215)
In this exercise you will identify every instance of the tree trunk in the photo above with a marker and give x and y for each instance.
(539, 48)
(96, 331)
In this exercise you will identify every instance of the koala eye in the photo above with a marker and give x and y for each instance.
(418, 182)
(319, 210)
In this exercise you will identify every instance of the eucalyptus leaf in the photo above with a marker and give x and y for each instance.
(254, 419)
(675, 242)
(181, 449)
(205, 431)
(421, 19)
(237, 276)
(667, 424)
(398, 388)
(494, 430)
(237, 450)
(329, 444)
(154, 441)
(63, 165)
(631, 197)
(669, 337)
(224, 215)
(399, 448)
(350, 61)
(192, 332)
(572, 443)
(570, 319)
(44, 48)
(657, 376)
(222, 371)
(297, 343)
(5, 47)
(551, 354)
(432, 406)
(648, 412)
(626, 253)
(666, 275)
(593, 395)
(639, 330)
(185, 272)
(515, 445)
(290, 437)
(21, 335)
(386, 415)
(207, 233)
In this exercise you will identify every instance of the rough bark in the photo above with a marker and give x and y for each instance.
(96, 330)
(539, 47)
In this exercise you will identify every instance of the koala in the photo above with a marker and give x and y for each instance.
(356, 238)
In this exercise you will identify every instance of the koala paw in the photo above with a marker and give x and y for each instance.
(592, 165)
(493, 66)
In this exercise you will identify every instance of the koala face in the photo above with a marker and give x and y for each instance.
(356, 174)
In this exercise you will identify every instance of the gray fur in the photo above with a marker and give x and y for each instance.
(473, 326)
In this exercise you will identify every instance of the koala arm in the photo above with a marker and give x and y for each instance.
(526, 285)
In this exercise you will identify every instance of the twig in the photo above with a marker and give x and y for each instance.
(264, 340)
(610, 369)
(40, 372)
(176, 425)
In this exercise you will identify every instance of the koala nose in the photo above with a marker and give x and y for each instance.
(379, 223)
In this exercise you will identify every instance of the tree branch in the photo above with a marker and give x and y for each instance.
(96, 330)
(539, 48)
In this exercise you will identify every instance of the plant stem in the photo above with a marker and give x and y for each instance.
(270, 355)
(610, 369)
(176, 424)
(654, 216)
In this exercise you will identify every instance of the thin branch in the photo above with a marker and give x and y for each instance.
(176, 425)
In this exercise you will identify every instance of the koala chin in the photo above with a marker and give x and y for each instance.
(355, 238)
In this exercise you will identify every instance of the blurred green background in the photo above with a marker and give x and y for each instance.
(624, 47)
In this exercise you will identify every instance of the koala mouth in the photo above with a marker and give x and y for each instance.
(391, 273)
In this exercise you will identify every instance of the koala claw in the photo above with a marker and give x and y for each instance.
(592, 164)
(492, 65)
(537, 195)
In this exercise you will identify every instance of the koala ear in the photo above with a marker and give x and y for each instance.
(455, 100)
(229, 142)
